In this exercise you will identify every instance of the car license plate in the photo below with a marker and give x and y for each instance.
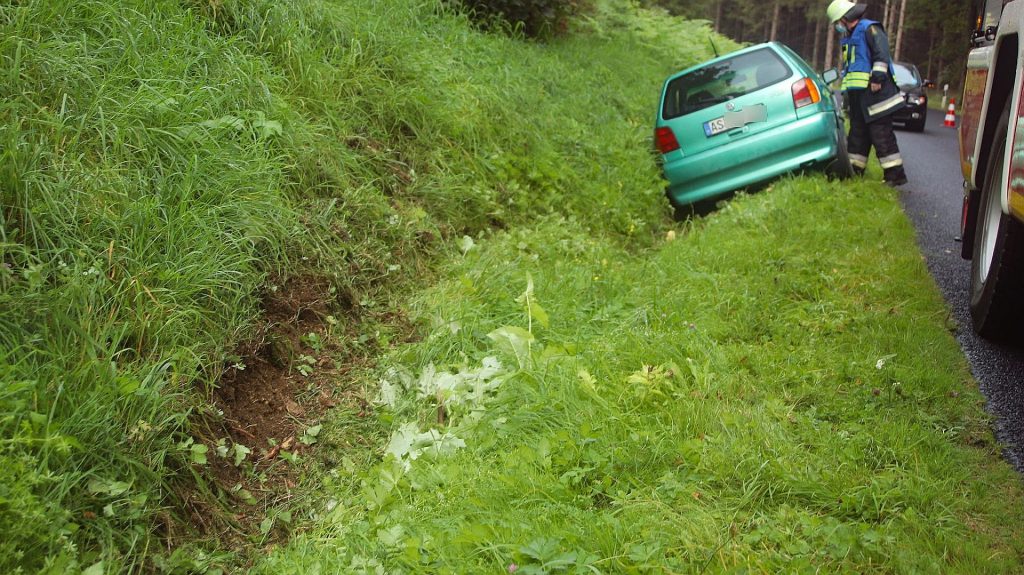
(713, 127)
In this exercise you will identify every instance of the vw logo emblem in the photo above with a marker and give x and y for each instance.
(730, 106)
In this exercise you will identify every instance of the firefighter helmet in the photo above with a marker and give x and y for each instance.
(838, 8)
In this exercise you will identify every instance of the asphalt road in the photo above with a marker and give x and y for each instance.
(932, 200)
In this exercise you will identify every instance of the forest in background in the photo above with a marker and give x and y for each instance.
(932, 34)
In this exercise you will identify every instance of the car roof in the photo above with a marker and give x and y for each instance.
(779, 48)
(909, 68)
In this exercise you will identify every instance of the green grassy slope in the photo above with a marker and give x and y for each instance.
(160, 160)
(775, 391)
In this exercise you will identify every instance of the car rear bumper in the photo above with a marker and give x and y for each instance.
(910, 113)
(803, 143)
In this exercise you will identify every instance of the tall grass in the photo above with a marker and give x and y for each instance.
(136, 233)
(159, 160)
(774, 391)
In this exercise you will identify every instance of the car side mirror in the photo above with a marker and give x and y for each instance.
(980, 36)
(830, 75)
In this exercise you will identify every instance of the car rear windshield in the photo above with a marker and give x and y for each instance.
(722, 81)
(906, 76)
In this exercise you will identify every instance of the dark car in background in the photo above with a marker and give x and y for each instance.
(915, 112)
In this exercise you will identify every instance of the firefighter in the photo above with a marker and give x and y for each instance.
(869, 85)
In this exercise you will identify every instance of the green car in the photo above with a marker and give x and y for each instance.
(745, 118)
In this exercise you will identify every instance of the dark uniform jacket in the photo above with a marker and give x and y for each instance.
(866, 60)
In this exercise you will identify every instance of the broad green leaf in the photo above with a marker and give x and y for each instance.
(587, 380)
(128, 385)
(402, 440)
(528, 294)
(240, 452)
(514, 340)
(388, 393)
(542, 549)
(107, 487)
(392, 536)
(118, 487)
(408, 444)
(198, 453)
(268, 128)
(308, 437)
(538, 313)
(532, 307)
(96, 486)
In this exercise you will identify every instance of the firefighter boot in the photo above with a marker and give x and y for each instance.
(895, 176)
(888, 151)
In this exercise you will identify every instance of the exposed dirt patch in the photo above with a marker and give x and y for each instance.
(265, 395)
(294, 368)
(302, 360)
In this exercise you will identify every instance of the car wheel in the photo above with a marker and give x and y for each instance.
(996, 262)
(697, 209)
(840, 167)
(917, 126)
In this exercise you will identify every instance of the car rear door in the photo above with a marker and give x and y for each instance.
(729, 99)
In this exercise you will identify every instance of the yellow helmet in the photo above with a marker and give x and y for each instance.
(838, 8)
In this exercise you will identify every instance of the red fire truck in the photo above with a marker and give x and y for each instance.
(991, 134)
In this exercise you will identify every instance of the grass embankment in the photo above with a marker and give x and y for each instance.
(167, 166)
(777, 390)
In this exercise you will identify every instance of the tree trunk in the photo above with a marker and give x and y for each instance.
(931, 51)
(885, 14)
(718, 16)
(816, 58)
(830, 40)
(804, 27)
(899, 30)
(775, 22)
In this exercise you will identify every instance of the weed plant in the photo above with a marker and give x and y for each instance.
(162, 162)
(777, 390)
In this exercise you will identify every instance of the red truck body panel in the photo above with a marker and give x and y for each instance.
(1015, 175)
(970, 116)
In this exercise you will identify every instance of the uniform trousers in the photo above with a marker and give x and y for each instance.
(877, 133)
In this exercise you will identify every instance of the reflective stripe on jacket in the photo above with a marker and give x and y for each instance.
(857, 59)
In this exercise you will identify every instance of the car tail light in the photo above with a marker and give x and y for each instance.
(805, 93)
(666, 140)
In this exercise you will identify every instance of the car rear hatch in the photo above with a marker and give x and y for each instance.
(728, 100)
